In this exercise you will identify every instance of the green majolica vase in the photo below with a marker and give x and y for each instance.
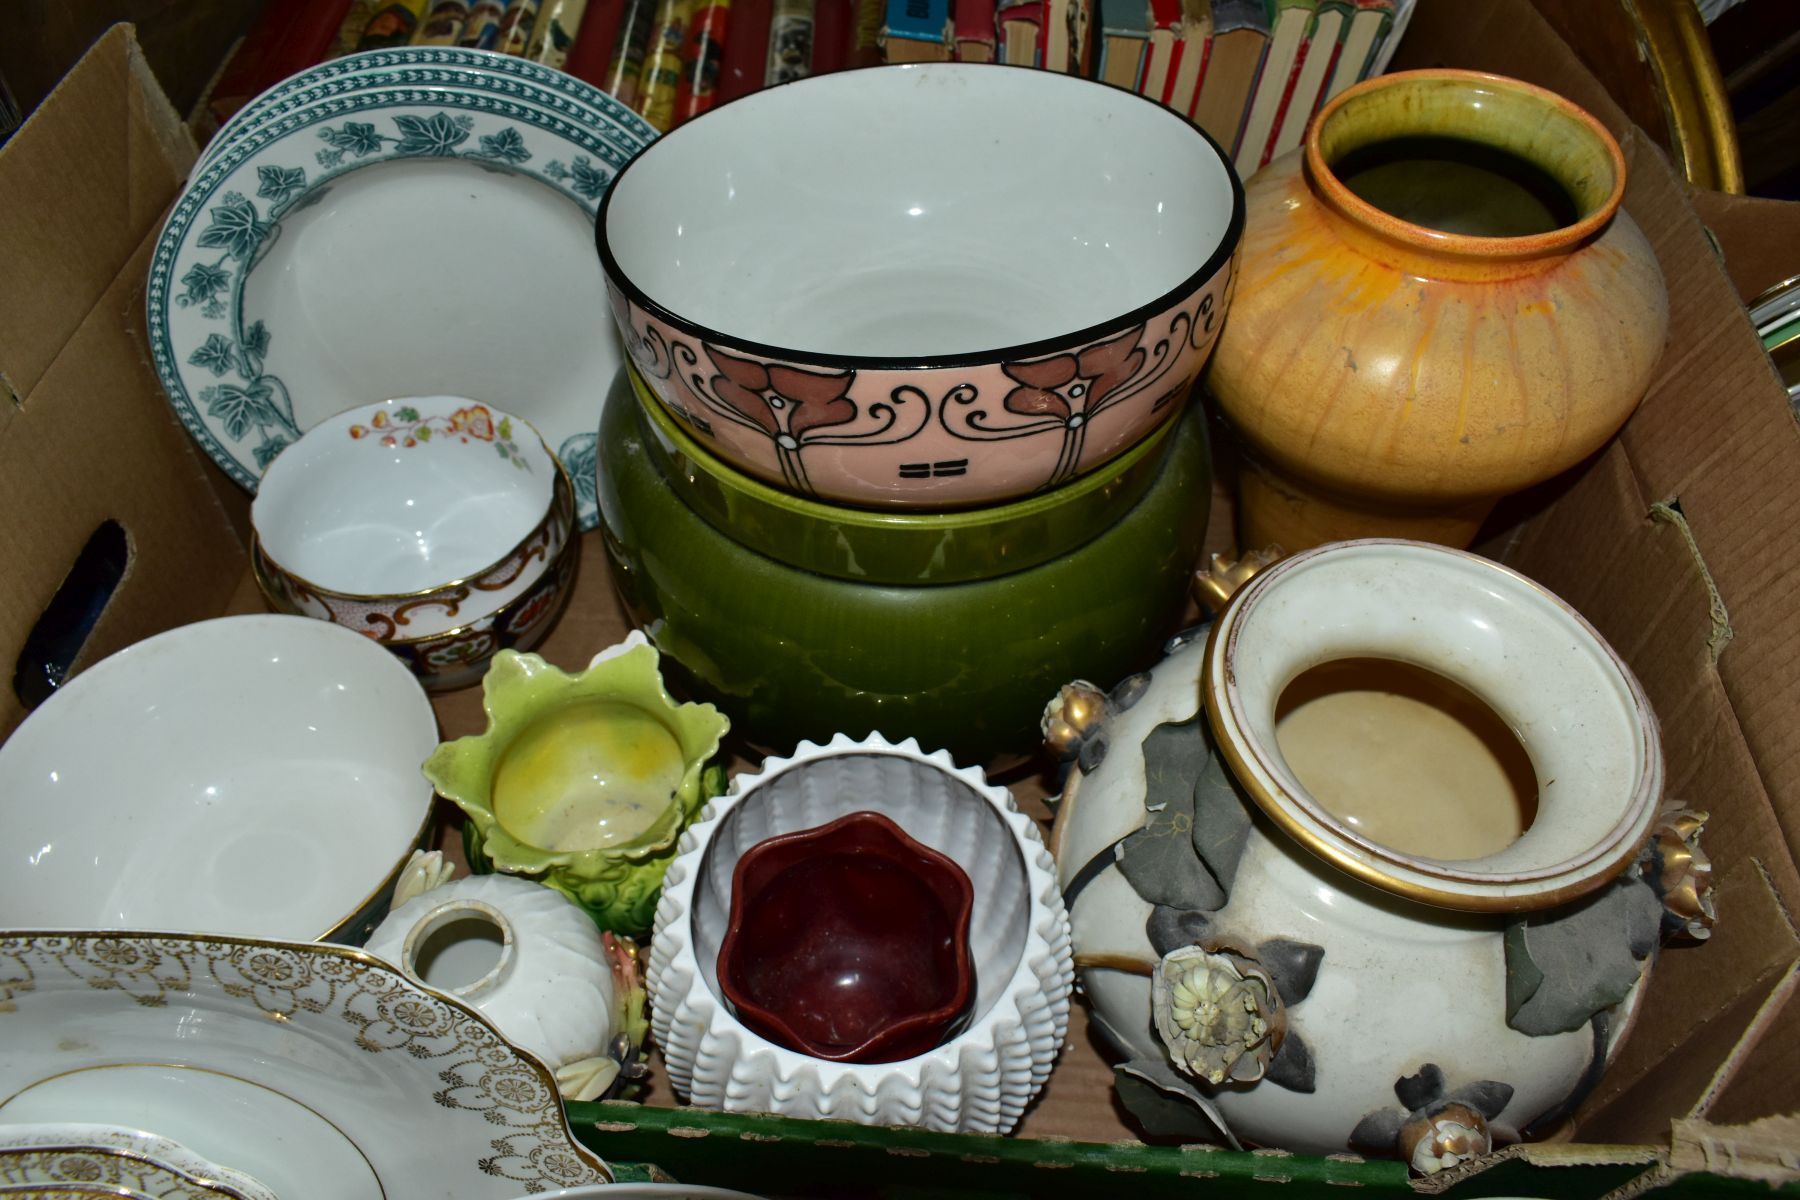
(583, 781)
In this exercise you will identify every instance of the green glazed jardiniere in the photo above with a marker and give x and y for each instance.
(583, 781)
(790, 654)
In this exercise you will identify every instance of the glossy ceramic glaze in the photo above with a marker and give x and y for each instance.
(789, 654)
(459, 657)
(872, 319)
(1390, 379)
(524, 956)
(980, 1080)
(888, 546)
(316, 1069)
(412, 517)
(582, 781)
(1398, 1002)
(849, 942)
(245, 775)
(377, 236)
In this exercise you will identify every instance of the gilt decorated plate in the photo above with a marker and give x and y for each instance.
(122, 1161)
(390, 241)
(314, 1069)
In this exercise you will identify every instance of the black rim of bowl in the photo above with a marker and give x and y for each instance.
(1221, 254)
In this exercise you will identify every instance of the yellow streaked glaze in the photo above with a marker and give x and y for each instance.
(1388, 379)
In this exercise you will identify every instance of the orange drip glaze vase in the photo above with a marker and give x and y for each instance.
(1395, 377)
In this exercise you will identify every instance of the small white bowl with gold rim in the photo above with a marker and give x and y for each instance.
(412, 519)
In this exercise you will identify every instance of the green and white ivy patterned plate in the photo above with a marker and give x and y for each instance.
(433, 66)
(402, 240)
(315, 1069)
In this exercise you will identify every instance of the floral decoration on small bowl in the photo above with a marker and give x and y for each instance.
(408, 427)
(583, 781)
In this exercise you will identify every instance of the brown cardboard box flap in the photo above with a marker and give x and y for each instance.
(85, 434)
(1767, 1150)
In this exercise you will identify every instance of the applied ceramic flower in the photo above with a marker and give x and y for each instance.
(583, 781)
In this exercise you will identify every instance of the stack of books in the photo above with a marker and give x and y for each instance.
(1249, 72)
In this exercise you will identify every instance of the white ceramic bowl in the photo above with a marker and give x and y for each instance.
(254, 775)
(413, 520)
(935, 284)
(979, 1081)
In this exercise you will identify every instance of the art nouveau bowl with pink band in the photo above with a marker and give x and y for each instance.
(930, 285)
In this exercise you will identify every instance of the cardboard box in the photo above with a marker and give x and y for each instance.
(1677, 541)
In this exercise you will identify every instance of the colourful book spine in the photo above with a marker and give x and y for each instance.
(1020, 28)
(1288, 22)
(865, 34)
(1369, 21)
(974, 30)
(442, 24)
(1124, 37)
(625, 73)
(516, 26)
(702, 57)
(1318, 56)
(392, 25)
(558, 24)
(289, 36)
(1193, 51)
(1240, 38)
(834, 24)
(350, 29)
(746, 49)
(790, 41)
(918, 31)
(662, 65)
(594, 42)
(1162, 47)
(482, 30)
(1065, 43)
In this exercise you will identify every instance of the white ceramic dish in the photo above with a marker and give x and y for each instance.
(394, 241)
(254, 775)
(316, 1069)
(119, 1159)
(416, 515)
(504, 75)
(523, 955)
(979, 1081)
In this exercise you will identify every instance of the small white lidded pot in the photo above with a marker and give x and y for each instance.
(439, 526)
(981, 1079)
(528, 959)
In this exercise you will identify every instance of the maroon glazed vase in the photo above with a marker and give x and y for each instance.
(849, 942)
